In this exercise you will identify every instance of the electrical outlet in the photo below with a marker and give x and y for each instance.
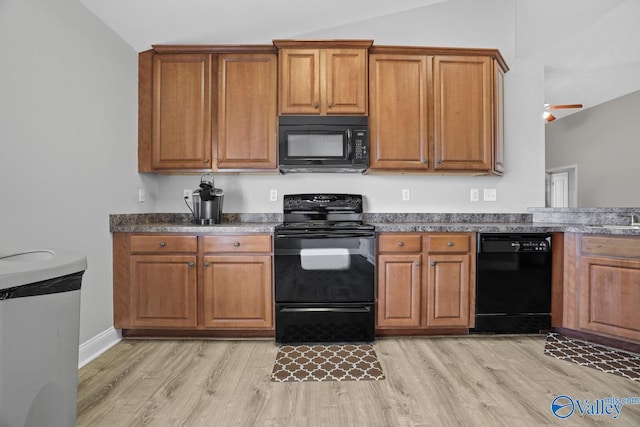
(273, 195)
(141, 195)
(475, 195)
(406, 195)
(490, 195)
(186, 195)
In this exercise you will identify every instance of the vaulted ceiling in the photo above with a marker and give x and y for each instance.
(590, 48)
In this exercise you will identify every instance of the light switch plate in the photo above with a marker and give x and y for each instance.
(490, 195)
(406, 195)
(273, 195)
(474, 195)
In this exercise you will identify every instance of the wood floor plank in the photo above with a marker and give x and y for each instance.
(430, 381)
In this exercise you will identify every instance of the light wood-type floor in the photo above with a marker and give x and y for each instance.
(430, 381)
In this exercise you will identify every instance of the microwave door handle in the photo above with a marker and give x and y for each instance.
(349, 143)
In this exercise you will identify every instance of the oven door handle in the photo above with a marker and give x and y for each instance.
(363, 309)
(332, 235)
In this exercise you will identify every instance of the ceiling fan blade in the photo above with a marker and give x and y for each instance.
(564, 106)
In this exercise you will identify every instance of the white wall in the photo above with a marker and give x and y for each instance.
(68, 137)
(455, 23)
(603, 142)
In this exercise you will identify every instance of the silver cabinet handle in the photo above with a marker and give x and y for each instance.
(236, 244)
(315, 105)
(191, 264)
(206, 264)
(163, 244)
(401, 244)
(330, 105)
(418, 264)
(433, 263)
(450, 244)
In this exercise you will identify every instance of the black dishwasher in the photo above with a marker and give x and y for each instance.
(513, 283)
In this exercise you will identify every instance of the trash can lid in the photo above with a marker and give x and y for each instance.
(30, 266)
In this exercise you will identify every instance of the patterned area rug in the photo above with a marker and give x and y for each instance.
(593, 356)
(335, 362)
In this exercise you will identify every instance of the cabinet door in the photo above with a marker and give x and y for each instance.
(181, 130)
(399, 291)
(463, 115)
(398, 120)
(237, 292)
(609, 293)
(345, 81)
(448, 290)
(299, 81)
(163, 291)
(247, 130)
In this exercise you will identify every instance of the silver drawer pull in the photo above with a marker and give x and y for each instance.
(433, 263)
(191, 264)
(418, 263)
(163, 244)
(236, 244)
(206, 264)
(401, 244)
(450, 244)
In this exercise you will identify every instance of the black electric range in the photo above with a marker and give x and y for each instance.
(324, 260)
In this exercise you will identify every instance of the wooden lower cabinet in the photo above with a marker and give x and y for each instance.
(190, 282)
(602, 286)
(448, 289)
(237, 292)
(399, 290)
(416, 296)
(163, 291)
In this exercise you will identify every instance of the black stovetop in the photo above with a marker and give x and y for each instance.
(323, 213)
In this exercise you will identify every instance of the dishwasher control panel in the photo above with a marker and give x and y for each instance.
(509, 243)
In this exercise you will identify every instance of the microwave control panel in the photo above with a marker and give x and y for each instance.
(361, 154)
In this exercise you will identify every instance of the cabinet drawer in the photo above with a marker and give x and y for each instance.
(248, 243)
(614, 246)
(400, 243)
(164, 244)
(449, 243)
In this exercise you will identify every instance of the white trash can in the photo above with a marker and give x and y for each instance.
(39, 334)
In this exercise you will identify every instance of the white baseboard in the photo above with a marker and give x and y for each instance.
(97, 345)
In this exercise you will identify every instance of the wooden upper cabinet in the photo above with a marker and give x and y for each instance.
(345, 81)
(207, 108)
(181, 112)
(463, 115)
(323, 78)
(398, 119)
(247, 98)
(436, 109)
(299, 81)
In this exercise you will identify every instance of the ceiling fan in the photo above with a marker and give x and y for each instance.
(550, 117)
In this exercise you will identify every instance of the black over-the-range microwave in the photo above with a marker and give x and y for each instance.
(323, 144)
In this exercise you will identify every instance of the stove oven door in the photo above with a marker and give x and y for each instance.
(324, 287)
(324, 269)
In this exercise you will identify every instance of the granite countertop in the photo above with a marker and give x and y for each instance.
(537, 220)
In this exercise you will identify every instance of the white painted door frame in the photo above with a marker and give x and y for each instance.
(562, 186)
